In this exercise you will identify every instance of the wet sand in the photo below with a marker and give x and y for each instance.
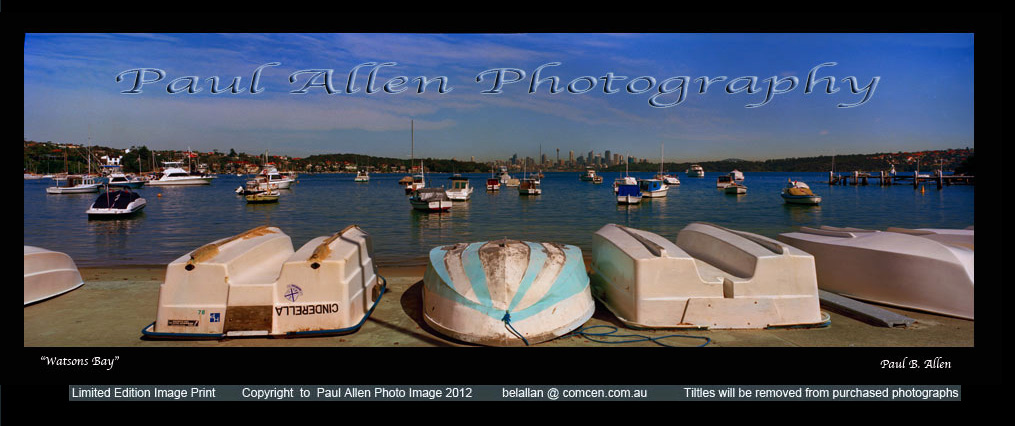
(115, 304)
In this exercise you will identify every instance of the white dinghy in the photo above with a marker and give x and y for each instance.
(712, 277)
(893, 268)
(253, 284)
(506, 292)
(49, 274)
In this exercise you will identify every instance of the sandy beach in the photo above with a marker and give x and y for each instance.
(115, 304)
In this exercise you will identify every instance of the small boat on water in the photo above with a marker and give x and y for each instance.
(362, 176)
(737, 175)
(723, 181)
(735, 189)
(710, 277)
(796, 192)
(262, 197)
(530, 186)
(116, 202)
(254, 284)
(48, 274)
(506, 179)
(695, 171)
(274, 177)
(628, 194)
(626, 180)
(668, 179)
(652, 188)
(75, 185)
(174, 175)
(460, 189)
(894, 268)
(493, 184)
(506, 292)
(590, 175)
(430, 200)
(120, 179)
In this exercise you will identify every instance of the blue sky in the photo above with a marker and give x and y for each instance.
(923, 98)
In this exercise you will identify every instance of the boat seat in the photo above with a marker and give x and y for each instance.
(710, 277)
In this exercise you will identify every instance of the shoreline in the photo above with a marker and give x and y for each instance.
(116, 303)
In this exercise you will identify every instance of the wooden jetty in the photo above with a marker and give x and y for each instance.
(884, 178)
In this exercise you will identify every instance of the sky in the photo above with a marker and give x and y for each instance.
(618, 92)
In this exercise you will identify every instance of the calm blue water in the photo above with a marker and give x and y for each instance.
(569, 211)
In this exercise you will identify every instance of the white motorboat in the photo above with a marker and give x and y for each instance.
(274, 177)
(174, 175)
(668, 179)
(711, 277)
(506, 179)
(652, 188)
(796, 192)
(590, 175)
(362, 176)
(506, 292)
(695, 171)
(892, 268)
(254, 284)
(737, 175)
(258, 184)
(430, 200)
(735, 189)
(116, 202)
(75, 185)
(48, 274)
(626, 180)
(723, 181)
(628, 194)
(120, 179)
(460, 189)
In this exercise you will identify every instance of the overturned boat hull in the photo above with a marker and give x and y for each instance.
(711, 277)
(254, 284)
(507, 292)
(48, 274)
(892, 268)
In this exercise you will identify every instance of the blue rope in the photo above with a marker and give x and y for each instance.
(637, 338)
(507, 321)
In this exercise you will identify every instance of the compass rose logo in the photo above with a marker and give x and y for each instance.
(293, 292)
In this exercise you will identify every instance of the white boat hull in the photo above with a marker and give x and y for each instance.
(892, 268)
(629, 199)
(506, 293)
(711, 277)
(48, 274)
(736, 189)
(83, 189)
(132, 208)
(254, 284)
(459, 195)
(431, 206)
(181, 181)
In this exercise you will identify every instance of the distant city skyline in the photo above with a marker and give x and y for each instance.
(613, 92)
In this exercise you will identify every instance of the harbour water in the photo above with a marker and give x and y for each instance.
(569, 211)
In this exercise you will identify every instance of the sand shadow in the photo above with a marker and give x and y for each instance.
(412, 305)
